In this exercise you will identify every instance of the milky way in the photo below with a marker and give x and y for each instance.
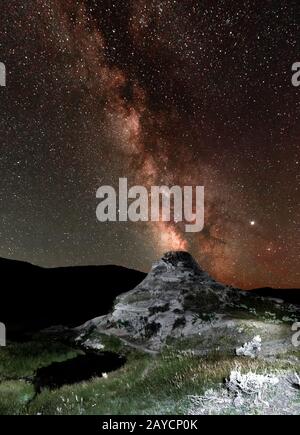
(163, 93)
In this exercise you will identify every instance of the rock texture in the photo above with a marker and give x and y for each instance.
(180, 303)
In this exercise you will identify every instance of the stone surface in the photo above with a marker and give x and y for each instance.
(179, 304)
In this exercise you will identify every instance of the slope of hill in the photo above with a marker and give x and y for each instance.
(291, 295)
(179, 302)
(33, 297)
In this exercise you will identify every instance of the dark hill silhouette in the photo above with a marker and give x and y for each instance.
(33, 297)
(291, 295)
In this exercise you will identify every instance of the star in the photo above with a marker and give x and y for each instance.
(162, 93)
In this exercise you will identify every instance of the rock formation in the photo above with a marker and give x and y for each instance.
(179, 304)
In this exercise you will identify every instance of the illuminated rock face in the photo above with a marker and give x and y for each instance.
(178, 300)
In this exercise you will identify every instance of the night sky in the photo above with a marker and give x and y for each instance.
(161, 92)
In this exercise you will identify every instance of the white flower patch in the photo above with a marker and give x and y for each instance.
(250, 349)
(250, 382)
(93, 344)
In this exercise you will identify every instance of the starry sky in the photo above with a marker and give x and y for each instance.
(161, 92)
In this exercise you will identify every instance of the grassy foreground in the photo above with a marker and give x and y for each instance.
(146, 384)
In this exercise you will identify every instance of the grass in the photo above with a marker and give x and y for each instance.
(14, 397)
(110, 343)
(19, 360)
(146, 384)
